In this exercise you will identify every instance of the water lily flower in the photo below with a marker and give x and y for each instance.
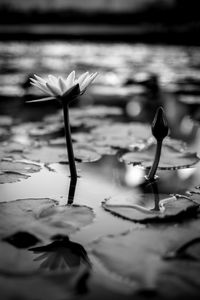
(64, 90)
(59, 86)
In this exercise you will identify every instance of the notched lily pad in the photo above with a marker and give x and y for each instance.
(149, 207)
(13, 171)
(42, 217)
(171, 157)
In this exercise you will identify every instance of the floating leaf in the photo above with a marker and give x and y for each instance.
(97, 111)
(12, 171)
(137, 258)
(194, 194)
(4, 134)
(171, 158)
(53, 154)
(121, 135)
(51, 287)
(47, 131)
(148, 207)
(85, 153)
(12, 150)
(42, 217)
(134, 130)
(10, 177)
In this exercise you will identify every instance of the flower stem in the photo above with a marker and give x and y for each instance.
(154, 167)
(72, 165)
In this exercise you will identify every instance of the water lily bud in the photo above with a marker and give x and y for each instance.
(159, 125)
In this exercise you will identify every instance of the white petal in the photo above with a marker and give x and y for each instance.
(40, 79)
(42, 89)
(88, 81)
(54, 90)
(70, 80)
(62, 84)
(81, 79)
(33, 80)
(53, 80)
(43, 86)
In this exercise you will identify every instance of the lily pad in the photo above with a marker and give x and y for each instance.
(42, 218)
(22, 278)
(121, 135)
(12, 149)
(4, 134)
(171, 158)
(138, 258)
(97, 111)
(134, 130)
(52, 287)
(13, 171)
(47, 131)
(54, 154)
(147, 207)
(194, 194)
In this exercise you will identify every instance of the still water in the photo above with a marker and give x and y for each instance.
(136, 78)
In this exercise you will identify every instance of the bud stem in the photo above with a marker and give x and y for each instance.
(152, 172)
(72, 165)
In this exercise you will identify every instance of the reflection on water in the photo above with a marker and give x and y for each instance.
(62, 254)
(72, 189)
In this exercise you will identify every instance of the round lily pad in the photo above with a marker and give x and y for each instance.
(42, 218)
(171, 158)
(149, 207)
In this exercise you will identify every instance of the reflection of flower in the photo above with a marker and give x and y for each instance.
(58, 86)
(61, 255)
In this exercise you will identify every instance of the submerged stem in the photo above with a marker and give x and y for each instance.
(154, 167)
(72, 165)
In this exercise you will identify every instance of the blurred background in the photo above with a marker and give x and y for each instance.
(145, 51)
(174, 21)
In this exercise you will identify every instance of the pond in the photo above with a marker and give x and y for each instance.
(109, 233)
